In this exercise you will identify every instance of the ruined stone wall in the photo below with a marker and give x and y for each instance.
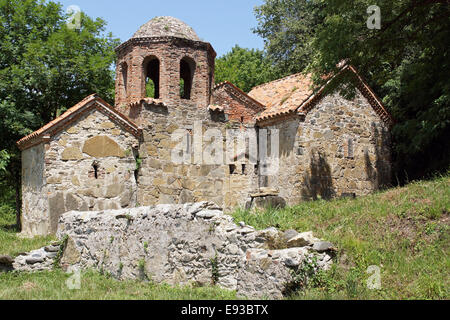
(191, 243)
(71, 180)
(342, 148)
(34, 202)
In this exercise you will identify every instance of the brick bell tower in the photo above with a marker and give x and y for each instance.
(164, 62)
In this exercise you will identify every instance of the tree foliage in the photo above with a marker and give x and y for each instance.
(288, 28)
(244, 68)
(45, 68)
(406, 62)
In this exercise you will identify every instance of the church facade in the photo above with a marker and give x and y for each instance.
(159, 143)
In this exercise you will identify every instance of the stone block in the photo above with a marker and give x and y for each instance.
(102, 147)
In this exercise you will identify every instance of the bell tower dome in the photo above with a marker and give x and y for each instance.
(164, 62)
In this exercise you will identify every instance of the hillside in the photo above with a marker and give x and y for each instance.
(404, 231)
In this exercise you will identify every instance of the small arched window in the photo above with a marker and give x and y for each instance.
(187, 70)
(151, 76)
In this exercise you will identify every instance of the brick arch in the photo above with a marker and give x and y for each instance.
(187, 73)
(123, 80)
(151, 68)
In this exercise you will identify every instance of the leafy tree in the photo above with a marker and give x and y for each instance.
(288, 28)
(406, 62)
(244, 68)
(46, 67)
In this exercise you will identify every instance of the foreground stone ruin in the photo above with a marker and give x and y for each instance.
(182, 244)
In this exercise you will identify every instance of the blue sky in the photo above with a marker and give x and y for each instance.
(223, 23)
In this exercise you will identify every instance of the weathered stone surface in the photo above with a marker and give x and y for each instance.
(56, 209)
(302, 240)
(71, 153)
(322, 246)
(52, 248)
(71, 253)
(177, 244)
(37, 260)
(102, 147)
(289, 234)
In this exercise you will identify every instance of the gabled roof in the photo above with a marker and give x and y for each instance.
(87, 104)
(241, 95)
(293, 95)
(282, 96)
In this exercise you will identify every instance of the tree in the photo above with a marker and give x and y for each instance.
(244, 68)
(45, 68)
(288, 28)
(405, 61)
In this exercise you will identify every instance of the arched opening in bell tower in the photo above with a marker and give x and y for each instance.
(187, 70)
(151, 76)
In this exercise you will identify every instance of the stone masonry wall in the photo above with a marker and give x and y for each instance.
(71, 180)
(314, 154)
(191, 243)
(34, 203)
(161, 181)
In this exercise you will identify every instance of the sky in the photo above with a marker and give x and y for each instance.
(223, 23)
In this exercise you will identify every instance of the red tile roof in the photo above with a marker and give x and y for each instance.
(87, 104)
(294, 95)
(282, 96)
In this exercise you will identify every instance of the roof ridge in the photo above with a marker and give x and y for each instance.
(91, 100)
(246, 95)
(316, 96)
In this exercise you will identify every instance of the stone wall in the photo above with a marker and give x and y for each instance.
(163, 181)
(341, 148)
(191, 243)
(35, 215)
(88, 166)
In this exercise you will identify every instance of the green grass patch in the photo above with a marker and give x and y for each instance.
(94, 286)
(10, 241)
(403, 231)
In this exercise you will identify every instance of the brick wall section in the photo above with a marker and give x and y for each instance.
(169, 51)
(236, 105)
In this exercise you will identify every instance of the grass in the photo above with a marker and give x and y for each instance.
(94, 286)
(10, 243)
(403, 231)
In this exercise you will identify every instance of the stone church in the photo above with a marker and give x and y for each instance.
(97, 157)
